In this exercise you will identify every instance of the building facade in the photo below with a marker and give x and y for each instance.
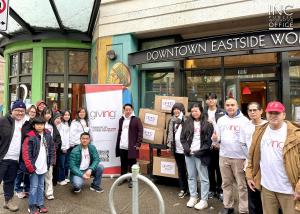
(246, 49)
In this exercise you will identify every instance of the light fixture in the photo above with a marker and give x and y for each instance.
(246, 90)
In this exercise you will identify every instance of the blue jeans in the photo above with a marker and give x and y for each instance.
(194, 168)
(22, 177)
(36, 194)
(78, 182)
(63, 169)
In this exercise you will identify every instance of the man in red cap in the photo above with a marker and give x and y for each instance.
(274, 162)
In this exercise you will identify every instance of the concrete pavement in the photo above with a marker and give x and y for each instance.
(89, 202)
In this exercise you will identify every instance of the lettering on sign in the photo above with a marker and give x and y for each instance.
(148, 134)
(167, 167)
(167, 104)
(109, 114)
(151, 119)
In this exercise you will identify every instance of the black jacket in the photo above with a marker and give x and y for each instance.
(135, 137)
(31, 149)
(7, 128)
(187, 136)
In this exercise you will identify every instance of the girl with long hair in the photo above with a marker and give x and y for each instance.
(78, 126)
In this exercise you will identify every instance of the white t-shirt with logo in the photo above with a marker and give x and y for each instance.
(85, 159)
(196, 139)
(14, 149)
(212, 117)
(273, 174)
(124, 134)
(41, 161)
(179, 148)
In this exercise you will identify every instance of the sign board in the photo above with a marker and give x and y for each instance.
(3, 14)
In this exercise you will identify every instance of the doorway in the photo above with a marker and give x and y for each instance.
(253, 92)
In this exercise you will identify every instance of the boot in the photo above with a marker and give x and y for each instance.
(10, 205)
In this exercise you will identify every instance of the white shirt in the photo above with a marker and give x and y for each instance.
(41, 161)
(273, 174)
(85, 159)
(212, 117)
(14, 149)
(124, 134)
(64, 131)
(179, 148)
(49, 127)
(228, 129)
(76, 129)
(196, 139)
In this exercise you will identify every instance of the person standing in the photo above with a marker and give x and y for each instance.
(213, 113)
(10, 150)
(173, 138)
(196, 141)
(129, 139)
(84, 163)
(233, 154)
(274, 162)
(38, 153)
(78, 126)
(255, 114)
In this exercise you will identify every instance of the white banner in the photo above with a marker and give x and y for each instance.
(104, 106)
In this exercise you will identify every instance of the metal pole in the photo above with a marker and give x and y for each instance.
(135, 169)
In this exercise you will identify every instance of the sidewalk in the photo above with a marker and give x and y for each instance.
(89, 202)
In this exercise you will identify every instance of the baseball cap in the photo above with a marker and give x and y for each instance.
(275, 106)
(18, 104)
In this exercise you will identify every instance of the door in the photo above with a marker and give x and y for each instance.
(232, 89)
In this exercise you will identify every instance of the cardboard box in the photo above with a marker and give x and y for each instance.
(165, 167)
(152, 118)
(153, 135)
(165, 103)
(144, 167)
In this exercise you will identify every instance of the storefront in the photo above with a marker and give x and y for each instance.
(259, 66)
(48, 52)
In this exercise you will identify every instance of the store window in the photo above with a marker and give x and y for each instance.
(294, 73)
(157, 83)
(20, 71)
(66, 73)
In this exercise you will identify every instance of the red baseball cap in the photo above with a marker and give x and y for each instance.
(275, 106)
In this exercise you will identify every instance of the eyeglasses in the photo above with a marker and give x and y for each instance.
(19, 111)
(252, 110)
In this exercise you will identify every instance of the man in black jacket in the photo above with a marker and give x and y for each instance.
(213, 113)
(10, 149)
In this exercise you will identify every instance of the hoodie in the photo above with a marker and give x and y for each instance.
(229, 132)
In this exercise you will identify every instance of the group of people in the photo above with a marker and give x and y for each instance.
(223, 147)
(40, 145)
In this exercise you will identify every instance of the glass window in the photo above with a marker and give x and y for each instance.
(252, 59)
(26, 63)
(251, 72)
(78, 62)
(294, 72)
(14, 64)
(55, 93)
(203, 63)
(199, 83)
(157, 83)
(55, 61)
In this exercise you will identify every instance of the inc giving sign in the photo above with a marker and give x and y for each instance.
(227, 45)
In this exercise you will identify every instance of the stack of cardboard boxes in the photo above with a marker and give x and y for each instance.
(155, 123)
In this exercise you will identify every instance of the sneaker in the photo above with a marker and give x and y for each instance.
(227, 211)
(42, 209)
(201, 205)
(67, 180)
(221, 197)
(96, 189)
(10, 205)
(211, 195)
(21, 195)
(192, 202)
(76, 190)
(50, 197)
(182, 194)
(33, 210)
(62, 183)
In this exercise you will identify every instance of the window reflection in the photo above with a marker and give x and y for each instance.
(14, 61)
(78, 62)
(26, 63)
(55, 61)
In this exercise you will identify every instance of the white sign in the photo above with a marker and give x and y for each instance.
(104, 106)
(167, 104)
(151, 119)
(3, 14)
(148, 134)
(297, 113)
(167, 168)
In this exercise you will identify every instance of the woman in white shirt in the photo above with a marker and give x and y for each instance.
(78, 126)
(173, 138)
